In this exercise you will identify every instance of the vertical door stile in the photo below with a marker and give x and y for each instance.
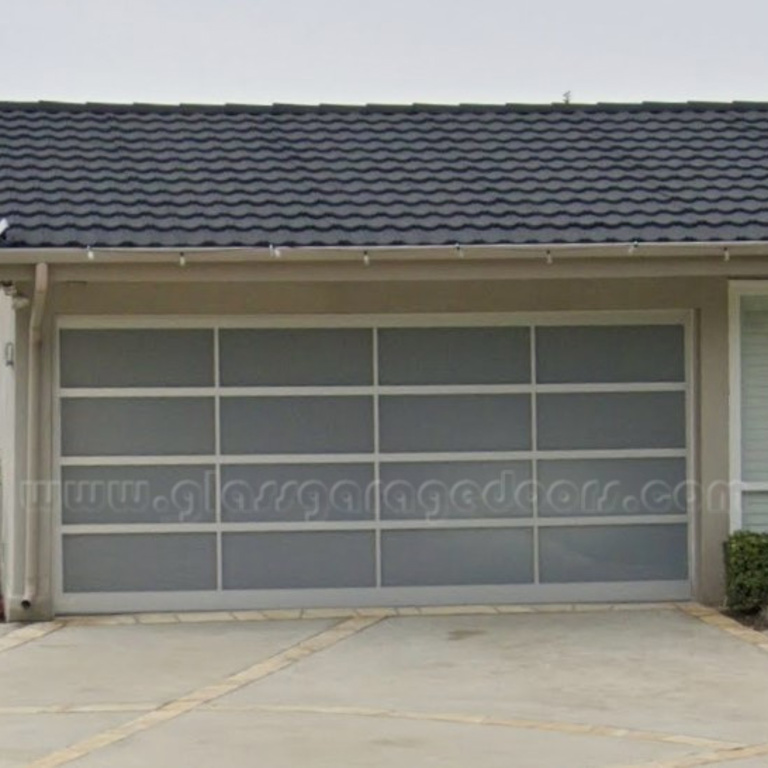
(534, 461)
(217, 465)
(376, 463)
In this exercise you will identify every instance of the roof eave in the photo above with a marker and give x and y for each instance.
(500, 251)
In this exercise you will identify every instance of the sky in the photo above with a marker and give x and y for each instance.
(388, 51)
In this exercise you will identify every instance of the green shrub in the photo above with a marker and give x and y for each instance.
(746, 566)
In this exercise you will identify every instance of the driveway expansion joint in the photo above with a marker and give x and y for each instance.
(575, 729)
(719, 756)
(191, 701)
(293, 614)
(27, 633)
(715, 618)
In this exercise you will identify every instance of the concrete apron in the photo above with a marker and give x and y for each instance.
(666, 686)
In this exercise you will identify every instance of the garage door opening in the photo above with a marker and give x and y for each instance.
(379, 461)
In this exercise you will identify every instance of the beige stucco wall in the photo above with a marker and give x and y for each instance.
(705, 296)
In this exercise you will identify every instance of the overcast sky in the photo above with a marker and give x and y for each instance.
(341, 51)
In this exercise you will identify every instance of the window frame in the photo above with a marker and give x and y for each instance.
(737, 290)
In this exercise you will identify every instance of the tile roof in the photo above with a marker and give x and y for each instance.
(196, 176)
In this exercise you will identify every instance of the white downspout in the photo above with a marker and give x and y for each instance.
(31, 502)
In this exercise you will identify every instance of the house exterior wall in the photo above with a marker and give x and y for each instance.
(705, 297)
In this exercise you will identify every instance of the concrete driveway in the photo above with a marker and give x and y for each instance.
(664, 686)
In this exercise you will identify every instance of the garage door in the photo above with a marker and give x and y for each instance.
(225, 466)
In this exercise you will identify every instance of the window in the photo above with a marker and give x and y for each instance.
(749, 406)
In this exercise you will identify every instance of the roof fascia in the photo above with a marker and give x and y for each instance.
(547, 251)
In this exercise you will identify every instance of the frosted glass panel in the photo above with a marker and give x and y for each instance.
(614, 553)
(454, 356)
(614, 420)
(297, 493)
(311, 357)
(612, 487)
(754, 389)
(754, 512)
(137, 358)
(146, 494)
(139, 562)
(455, 423)
(259, 425)
(146, 426)
(427, 558)
(610, 353)
(299, 560)
(455, 490)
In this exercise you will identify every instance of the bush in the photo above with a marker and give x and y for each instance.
(746, 567)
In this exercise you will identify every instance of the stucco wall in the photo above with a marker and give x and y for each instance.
(707, 296)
